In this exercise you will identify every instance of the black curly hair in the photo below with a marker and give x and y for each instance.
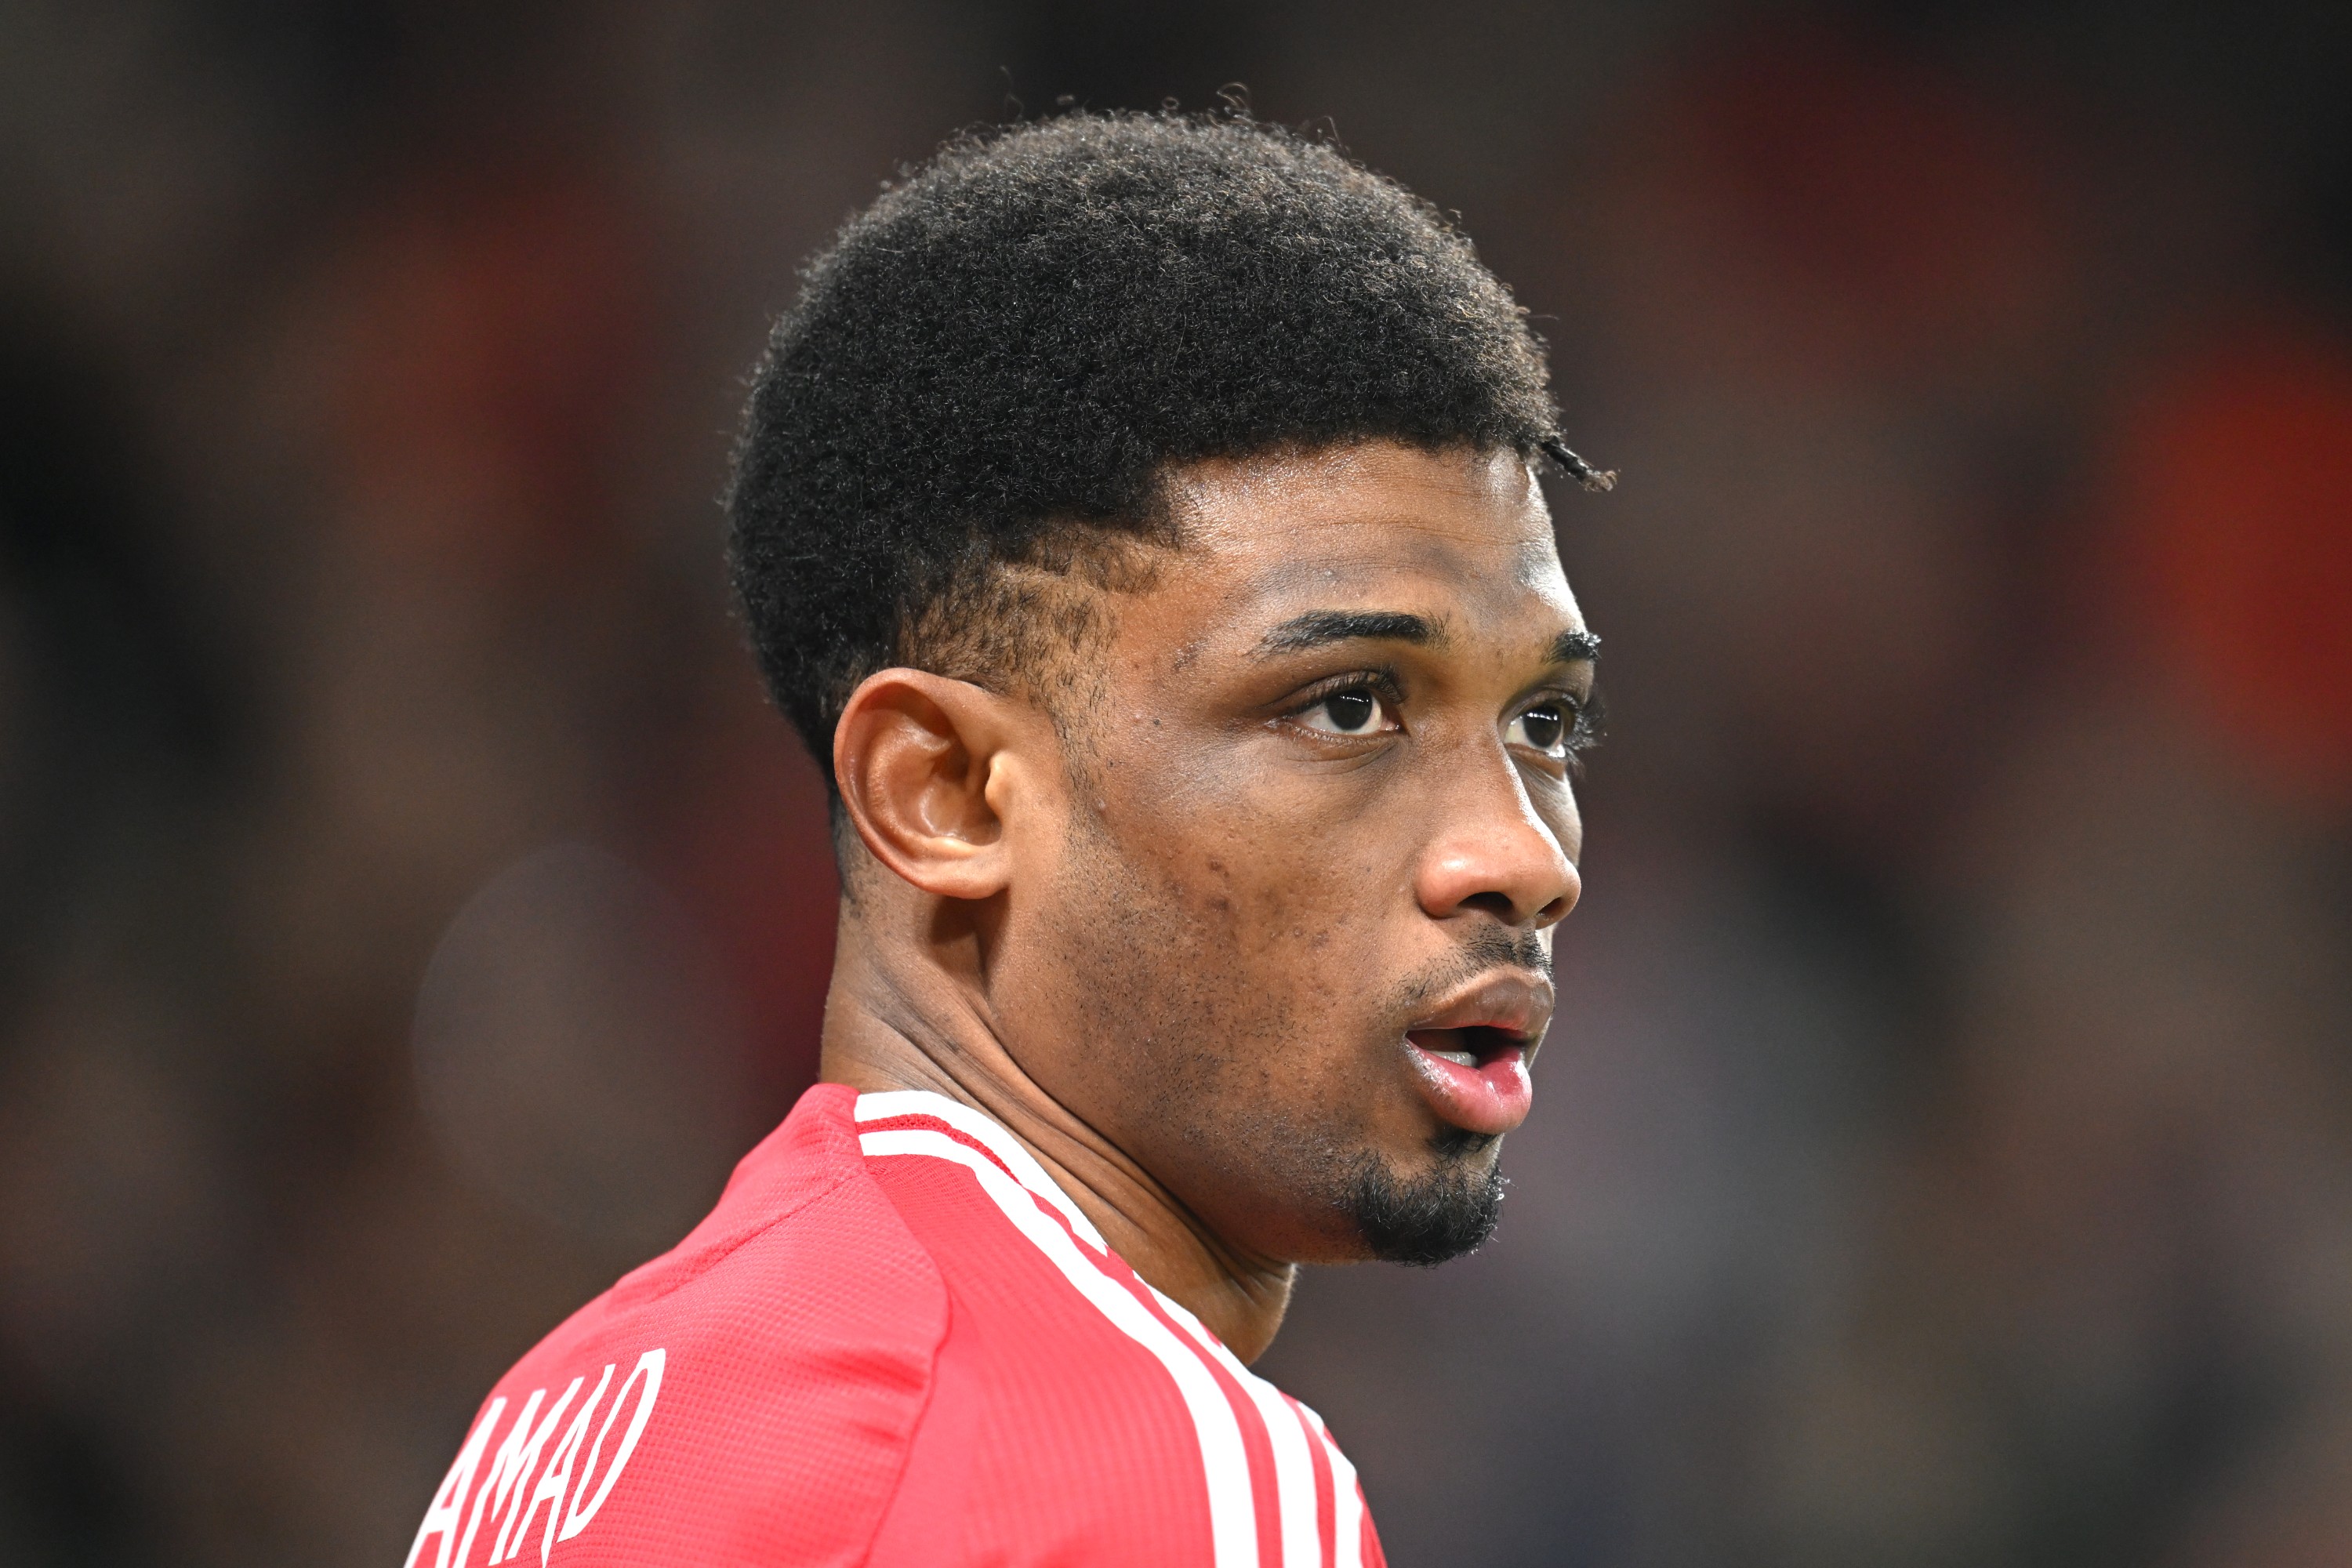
(971, 408)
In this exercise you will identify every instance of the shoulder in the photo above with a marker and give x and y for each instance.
(748, 1398)
(894, 1341)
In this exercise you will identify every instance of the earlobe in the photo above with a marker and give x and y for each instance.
(915, 754)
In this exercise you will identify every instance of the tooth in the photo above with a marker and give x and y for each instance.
(1459, 1059)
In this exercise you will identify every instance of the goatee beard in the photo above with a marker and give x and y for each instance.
(1429, 1220)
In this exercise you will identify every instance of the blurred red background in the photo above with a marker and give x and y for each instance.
(411, 907)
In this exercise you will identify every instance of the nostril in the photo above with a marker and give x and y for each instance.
(1500, 905)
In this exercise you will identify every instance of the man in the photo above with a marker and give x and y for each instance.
(1138, 514)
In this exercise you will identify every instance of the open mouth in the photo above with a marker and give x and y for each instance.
(1474, 1047)
(1469, 1055)
(1476, 1077)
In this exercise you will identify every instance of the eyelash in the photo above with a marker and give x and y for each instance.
(1381, 683)
(1587, 726)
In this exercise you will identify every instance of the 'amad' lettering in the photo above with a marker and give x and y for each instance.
(506, 1492)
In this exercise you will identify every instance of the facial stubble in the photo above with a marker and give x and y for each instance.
(1161, 963)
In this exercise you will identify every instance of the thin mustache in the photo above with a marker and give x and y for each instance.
(1489, 948)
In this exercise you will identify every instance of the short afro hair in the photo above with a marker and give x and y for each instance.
(990, 371)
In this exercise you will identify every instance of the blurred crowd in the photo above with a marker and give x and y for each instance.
(1944, 1152)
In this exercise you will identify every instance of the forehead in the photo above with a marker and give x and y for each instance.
(1463, 537)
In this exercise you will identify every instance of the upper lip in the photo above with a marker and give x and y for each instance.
(1512, 1002)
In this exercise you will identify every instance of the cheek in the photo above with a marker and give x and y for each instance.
(1235, 923)
(1270, 895)
(1271, 891)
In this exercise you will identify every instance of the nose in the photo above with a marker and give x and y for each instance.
(1494, 851)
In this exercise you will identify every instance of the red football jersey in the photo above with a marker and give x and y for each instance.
(894, 1342)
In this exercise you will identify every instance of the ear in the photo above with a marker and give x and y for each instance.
(927, 767)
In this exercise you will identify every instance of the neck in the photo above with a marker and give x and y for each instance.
(914, 1025)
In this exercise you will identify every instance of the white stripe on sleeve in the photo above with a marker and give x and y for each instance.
(991, 1134)
(1347, 1500)
(1294, 1463)
(1233, 1508)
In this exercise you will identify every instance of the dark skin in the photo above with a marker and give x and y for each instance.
(1308, 805)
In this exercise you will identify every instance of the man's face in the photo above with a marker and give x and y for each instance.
(1290, 947)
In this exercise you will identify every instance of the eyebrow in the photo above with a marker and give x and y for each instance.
(1575, 647)
(1319, 627)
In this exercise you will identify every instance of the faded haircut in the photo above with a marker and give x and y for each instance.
(960, 432)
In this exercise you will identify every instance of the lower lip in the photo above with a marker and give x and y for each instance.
(1491, 1098)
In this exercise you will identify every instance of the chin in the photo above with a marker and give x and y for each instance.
(1442, 1213)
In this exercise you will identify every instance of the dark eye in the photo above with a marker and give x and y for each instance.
(1357, 710)
(1543, 728)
